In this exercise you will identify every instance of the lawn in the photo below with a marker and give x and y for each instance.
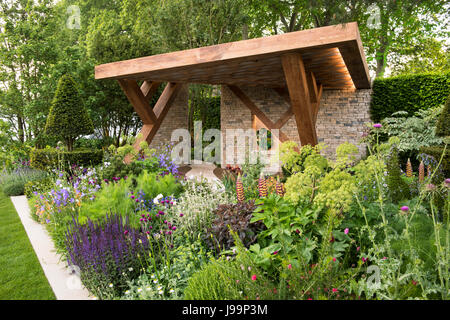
(21, 275)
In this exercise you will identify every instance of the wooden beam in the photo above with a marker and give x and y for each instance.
(312, 86)
(257, 112)
(296, 80)
(161, 108)
(249, 59)
(138, 100)
(284, 119)
(316, 105)
(149, 88)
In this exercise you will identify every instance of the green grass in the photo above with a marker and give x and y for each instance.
(21, 275)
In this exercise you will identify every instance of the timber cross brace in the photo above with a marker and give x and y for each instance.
(303, 96)
(140, 97)
(299, 66)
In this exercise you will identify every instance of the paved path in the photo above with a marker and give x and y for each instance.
(204, 170)
(64, 285)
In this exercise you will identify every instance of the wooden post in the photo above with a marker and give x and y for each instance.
(299, 92)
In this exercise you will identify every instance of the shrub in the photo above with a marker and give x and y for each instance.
(104, 252)
(235, 217)
(408, 93)
(14, 188)
(442, 127)
(68, 117)
(398, 188)
(197, 204)
(54, 158)
(38, 186)
(13, 182)
(212, 282)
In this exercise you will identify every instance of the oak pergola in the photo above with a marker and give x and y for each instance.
(297, 65)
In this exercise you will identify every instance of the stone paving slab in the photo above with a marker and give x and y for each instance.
(66, 286)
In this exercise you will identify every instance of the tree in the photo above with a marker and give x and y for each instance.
(68, 118)
(442, 126)
(389, 28)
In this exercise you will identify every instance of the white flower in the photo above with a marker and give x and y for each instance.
(111, 285)
(156, 200)
(147, 288)
(155, 281)
(139, 289)
(127, 292)
(172, 291)
(130, 269)
(159, 288)
(153, 276)
(94, 298)
(160, 292)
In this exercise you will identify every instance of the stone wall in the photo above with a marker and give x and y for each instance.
(341, 117)
(176, 118)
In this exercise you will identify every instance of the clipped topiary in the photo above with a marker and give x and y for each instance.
(398, 188)
(68, 118)
(442, 126)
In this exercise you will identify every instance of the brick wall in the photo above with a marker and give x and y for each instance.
(341, 117)
(176, 118)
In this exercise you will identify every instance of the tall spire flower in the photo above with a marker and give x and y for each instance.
(262, 186)
(421, 171)
(239, 189)
(409, 169)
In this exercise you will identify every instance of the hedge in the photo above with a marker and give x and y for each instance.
(51, 158)
(408, 93)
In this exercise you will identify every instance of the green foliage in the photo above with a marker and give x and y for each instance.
(196, 205)
(169, 282)
(398, 188)
(13, 182)
(68, 117)
(15, 188)
(293, 160)
(442, 126)
(413, 132)
(114, 196)
(250, 175)
(52, 158)
(409, 93)
(437, 152)
(39, 186)
(212, 282)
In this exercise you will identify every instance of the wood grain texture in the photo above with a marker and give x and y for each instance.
(138, 100)
(299, 93)
(161, 108)
(334, 54)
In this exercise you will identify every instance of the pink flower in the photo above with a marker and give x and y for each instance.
(289, 266)
(334, 290)
(334, 259)
(364, 259)
(346, 231)
(357, 249)
(377, 125)
(309, 298)
(404, 208)
(254, 277)
(275, 252)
